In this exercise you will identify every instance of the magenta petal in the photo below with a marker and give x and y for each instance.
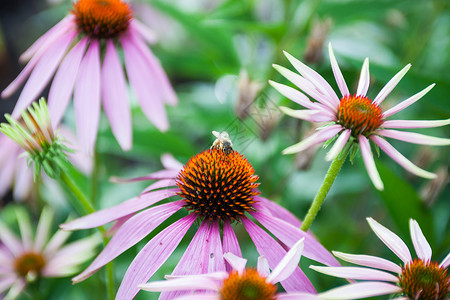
(152, 256)
(163, 183)
(230, 243)
(273, 252)
(277, 210)
(115, 98)
(140, 226)
(107, 215)
(289, 235)
(87, 98)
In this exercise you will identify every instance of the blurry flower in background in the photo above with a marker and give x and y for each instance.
(218, 188)
(73, 50)
(28, 259)
(238, 283)
(419, 278)
(354, 118)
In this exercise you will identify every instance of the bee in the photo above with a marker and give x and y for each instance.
(222, 142)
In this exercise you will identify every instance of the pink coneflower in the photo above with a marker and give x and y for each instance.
(419, 279)
(238, 283)
(354, 117)
(73, 49)
(27, 259)
(218, 188)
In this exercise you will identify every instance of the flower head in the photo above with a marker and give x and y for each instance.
(239, 283)
(27, 259)
(419, 278)
(81, 52)
(354, 117)
(218, 189)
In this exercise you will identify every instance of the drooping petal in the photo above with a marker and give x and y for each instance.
(43, 228)
(369, 261)
(152, 256)
(400, 159)
(292, 94)
(423, 249)
(364, 79)
(56, 241)
(177, 284)
(263, 266)
(391, 240)
(445, 262)
(238, 263)
(9, 240)
(413, 137)
(337, 73)
(87, 98)
(302, 114)
(200, 297)
(360, 290)
(107, 215)
(115, 98)
(276, 210)
(356, 273)
(216, 262)
(316, 138)
(164, 183)
(230, 243)
(338, 145)
(405, 103)
(146, 33)
(369, 162)
(169, 162)
(288, 264)
(415, 123)
(391, 85)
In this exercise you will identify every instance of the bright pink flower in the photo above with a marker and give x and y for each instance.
(72, 51)
(354, 118)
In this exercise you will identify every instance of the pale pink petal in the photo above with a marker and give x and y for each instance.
(184, 284)
(43, 228)
(413, 137)
(400, 159)
(369, 261)
(391, 240)
(23, 182)
(230, 243)
(163, 183)
(6, 282)
(360, 290)
(200, 297)
(404, 104)
(292, 94)
(236, 262)
(308, 115)
(277, 210)
(337, 73)
(338, 145)
(152, 256)
(414, 123)
(320, 136)
(364, 79)
(57, 240)
(162, 174)
(367, 155)
(64, 81)
(25, 228)
(146, 33)
(288, 264)
(115, 98)
(16, 289)
(169, 162)
(445, 262)
(356, 273)
(9, 240)
(423, 249)
(274, 252)
(263, 266)
(391, 85)
(107, 215)
(297, 296)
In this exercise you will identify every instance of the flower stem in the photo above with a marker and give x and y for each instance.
(331, 175)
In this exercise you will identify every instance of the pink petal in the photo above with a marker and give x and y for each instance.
(391, 240)
(369, 162)
(9, 240)
(180, 284)
(297, 296)
(400, 159)
(292, 94)
(162, 174)
(356, 273)
(277, 210)
(288, 264)
(87, 98)
(152, 256)
(391, 85)
(115, 98)
(445, 262)
(320, 136)
(404, 104)
(337, 73)
(23, 183)
(64, 81)
(164, 183)
(423, 249)
(140, 225)
(273, 252)
(43, 228)
(338, 145)
(169, 162)
(369, 261)
(215, 253)
(56, 241)
(146, 33)
(107, 215)
(412, 137)
(236, 262)
(361, 290)
(119, 222)
(230, 243)
(415, 123)
(200, 297)
(364, 79)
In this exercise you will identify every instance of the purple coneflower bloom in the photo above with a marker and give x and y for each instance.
(354, 117)
(26, 259)
(218, 187)
(73, 49)
(238, 283)
(419, 278)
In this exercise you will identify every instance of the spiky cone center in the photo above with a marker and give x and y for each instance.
(218, 185)
(102, 19)
(359, 114)
(247, 286)
(29, 263)
(424, 281)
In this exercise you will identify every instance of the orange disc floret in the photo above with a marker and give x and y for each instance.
(102, 18)
(359, 114)
(424, 281)
(29, 262)
(247, 286)
(218, 185)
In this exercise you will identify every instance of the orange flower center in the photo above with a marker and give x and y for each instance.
(248, 286)
(424, 281)
(218, 184)
(359, 115)
(29, 262)
(102, 18)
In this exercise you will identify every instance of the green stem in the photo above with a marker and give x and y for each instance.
(331, 175)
